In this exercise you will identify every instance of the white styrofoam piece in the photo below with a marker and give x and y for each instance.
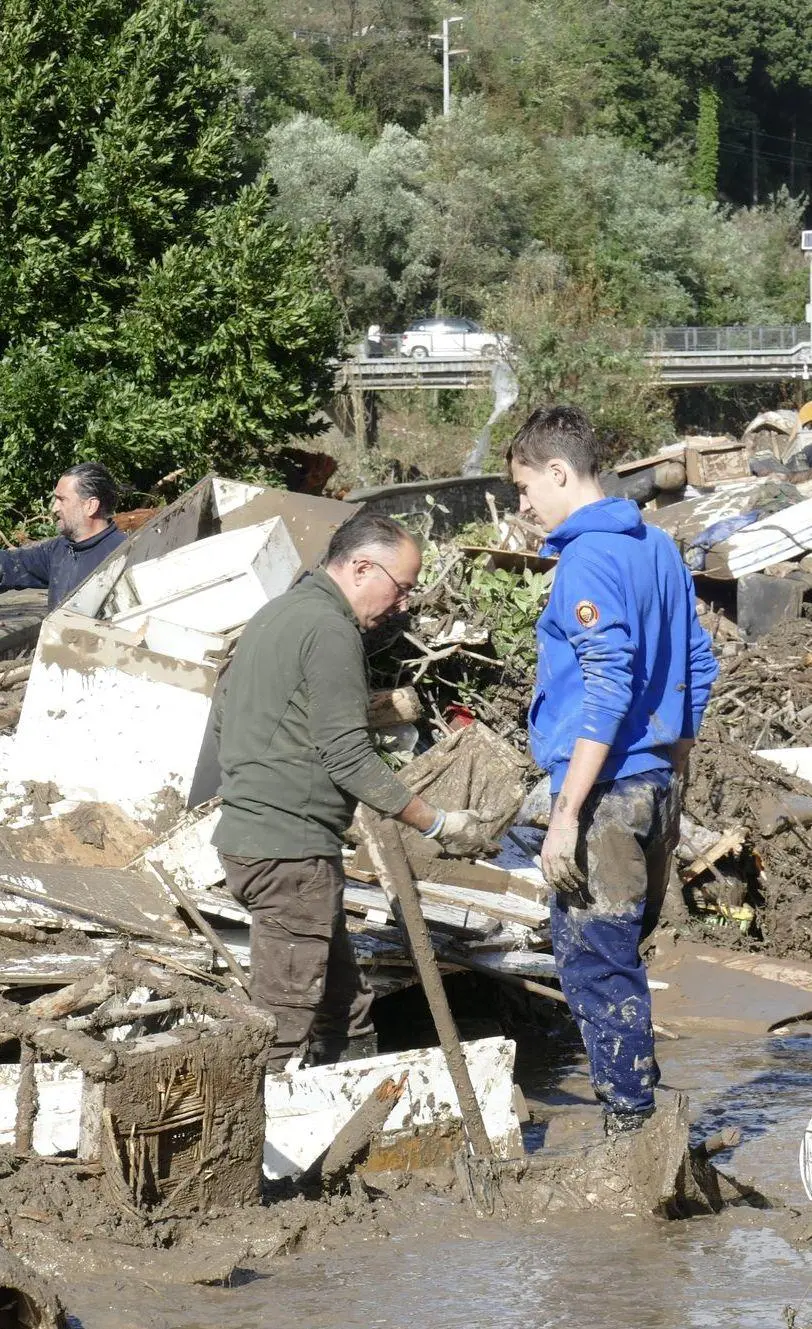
(266, 550)
(105, 735)
(59, 1091)
(305, 1109)
(798, 761)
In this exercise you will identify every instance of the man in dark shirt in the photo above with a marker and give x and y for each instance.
(83, 505)
(296, 759)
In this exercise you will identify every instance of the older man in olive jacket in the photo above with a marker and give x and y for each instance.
(296, 759)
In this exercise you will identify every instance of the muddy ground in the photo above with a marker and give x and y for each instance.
(415, 1254)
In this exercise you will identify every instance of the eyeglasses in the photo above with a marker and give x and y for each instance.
(404, 591)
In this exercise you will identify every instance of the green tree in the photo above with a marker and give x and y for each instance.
(370, 198)
(120, 158)
(706, 161)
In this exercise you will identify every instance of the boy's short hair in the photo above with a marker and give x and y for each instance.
(556, 431)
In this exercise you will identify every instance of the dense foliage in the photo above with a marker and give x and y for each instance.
(200, 198)
(153, 314)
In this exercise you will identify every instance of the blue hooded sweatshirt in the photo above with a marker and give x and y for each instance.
(622, 658)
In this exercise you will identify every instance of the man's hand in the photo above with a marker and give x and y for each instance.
(561, 872)
(464, 835)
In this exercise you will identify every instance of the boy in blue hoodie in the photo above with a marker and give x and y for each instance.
(624, 675)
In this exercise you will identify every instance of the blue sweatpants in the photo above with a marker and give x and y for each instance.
(629, 829)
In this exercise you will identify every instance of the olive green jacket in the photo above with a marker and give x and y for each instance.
(295, 751)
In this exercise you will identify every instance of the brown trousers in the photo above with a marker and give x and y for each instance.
(303, 967)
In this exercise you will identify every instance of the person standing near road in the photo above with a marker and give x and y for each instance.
(624, 675)
(83, 505)
(296, 759)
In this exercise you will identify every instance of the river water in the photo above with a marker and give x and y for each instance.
(441, 1269)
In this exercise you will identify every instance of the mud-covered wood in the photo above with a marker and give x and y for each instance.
(383, 844)
(356, 1136)
(98, 1060)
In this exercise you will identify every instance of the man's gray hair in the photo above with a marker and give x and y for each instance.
(363, 530)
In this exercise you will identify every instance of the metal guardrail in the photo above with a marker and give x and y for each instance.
(744, 340)
(687, 356)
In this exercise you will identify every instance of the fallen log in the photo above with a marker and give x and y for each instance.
(354, 1138)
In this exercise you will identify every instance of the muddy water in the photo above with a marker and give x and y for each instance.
(442, 1269)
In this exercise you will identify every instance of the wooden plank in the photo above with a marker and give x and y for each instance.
(217, 902)
(508, 907)
(729, 843)
(113, 897)
(394, 706)
(460, 921)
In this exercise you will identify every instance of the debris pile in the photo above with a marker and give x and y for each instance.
(132, 1060)
(124, 960)
(740, 511)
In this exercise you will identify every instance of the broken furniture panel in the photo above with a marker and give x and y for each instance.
(183, 1125)
(215, 584)
(175, 1115)
(106, 719)
(306, 1109)
(710, 461)
(119, 702)
(113, 897)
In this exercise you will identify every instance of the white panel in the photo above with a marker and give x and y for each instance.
(220, 556)
(305, 1110)
(106, 735)
(56, 1125)
(798, 761)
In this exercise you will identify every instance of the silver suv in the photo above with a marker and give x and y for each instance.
(450, 339)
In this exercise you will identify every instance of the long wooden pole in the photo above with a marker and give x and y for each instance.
(203, 926)
(383, 844)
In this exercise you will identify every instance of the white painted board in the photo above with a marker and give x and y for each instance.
(106, 735)
(798, 761)
(188, 854)
(56, 1124)
(306, 1109)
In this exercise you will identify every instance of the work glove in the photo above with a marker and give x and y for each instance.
(561, 872)
(463, 835)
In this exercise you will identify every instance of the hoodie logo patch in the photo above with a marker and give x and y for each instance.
(587, 613)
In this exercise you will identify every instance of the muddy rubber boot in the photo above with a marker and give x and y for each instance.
(328, 1051)
(617, 1124)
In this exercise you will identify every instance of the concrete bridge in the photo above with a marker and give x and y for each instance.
(686, 357)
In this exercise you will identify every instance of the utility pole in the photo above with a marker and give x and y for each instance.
(806, 248)
(447, 54)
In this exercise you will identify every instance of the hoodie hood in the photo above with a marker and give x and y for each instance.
(618, 515)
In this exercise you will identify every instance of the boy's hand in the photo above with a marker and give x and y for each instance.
(561, 872)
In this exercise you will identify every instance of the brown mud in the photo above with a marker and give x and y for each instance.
(93, 835)
(404, 1250)
(727, 785)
